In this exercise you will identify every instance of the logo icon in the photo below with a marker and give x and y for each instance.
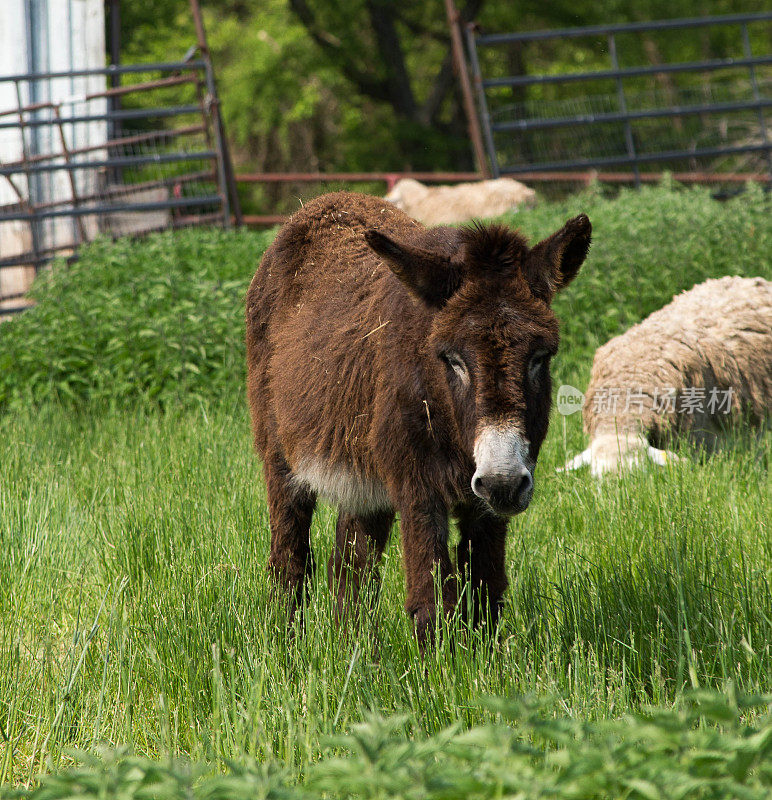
(570, 400)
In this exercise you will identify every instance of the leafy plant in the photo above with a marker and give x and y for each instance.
(704, 750)
(159, 319)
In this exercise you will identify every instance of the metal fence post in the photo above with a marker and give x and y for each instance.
(25, 154)
(483, 103)
(222, 173)
(459, 60)
(757, 97)
(229, 191)
(629, 142)
(81, 235)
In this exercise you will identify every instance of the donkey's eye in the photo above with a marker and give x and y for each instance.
(456, 363)
(537, 364)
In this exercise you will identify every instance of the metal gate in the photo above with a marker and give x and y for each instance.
(707, 113)
(135, 158)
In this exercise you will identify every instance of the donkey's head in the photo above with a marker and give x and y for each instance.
(493, 334)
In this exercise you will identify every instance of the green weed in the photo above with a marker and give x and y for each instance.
(161, 319)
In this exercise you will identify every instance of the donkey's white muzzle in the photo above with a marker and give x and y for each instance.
(504, 471)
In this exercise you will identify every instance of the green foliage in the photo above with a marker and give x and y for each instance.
(162, 319)
(648, 245)
(705, 750)
(327, 85)
(272, 78)
(159, 319)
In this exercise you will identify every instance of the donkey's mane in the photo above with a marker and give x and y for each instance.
(493, 249)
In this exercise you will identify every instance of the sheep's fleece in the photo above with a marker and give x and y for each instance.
(445, 205)
(715, 336)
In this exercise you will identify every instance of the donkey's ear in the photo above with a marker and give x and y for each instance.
(554, 262)
(429, 275)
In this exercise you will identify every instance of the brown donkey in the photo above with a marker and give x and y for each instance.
(395, 368)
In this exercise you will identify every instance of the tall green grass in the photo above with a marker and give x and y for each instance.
(135, 609)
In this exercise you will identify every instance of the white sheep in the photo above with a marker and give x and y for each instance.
(445, 205)
(702, 360)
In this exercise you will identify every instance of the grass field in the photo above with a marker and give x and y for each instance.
(135, 611)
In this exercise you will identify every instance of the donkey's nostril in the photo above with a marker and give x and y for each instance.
(480, 488)
(506, 494)
(525, 485)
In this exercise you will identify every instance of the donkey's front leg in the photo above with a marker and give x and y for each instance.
(481, 563)
(425, 545)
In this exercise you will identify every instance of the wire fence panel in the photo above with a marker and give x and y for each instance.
(685, 95)
(136, 158)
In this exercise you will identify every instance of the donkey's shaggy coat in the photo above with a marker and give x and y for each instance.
(395, 368)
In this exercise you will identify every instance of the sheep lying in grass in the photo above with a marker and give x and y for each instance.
(688, 368)
(445, 205)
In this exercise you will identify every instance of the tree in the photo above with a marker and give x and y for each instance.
(368, 84)
(370, 44)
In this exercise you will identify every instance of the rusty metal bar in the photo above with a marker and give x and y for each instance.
(222, 176)
(161, 83)
(264, 219)
(228, 189)
(482, 100)
(16, 190)
(198, 22)
(201, 96)
(534, 175)
(168, 133)
(459, 62)
(71, 176)
(354, 177)
(585, 177)
(756, 95)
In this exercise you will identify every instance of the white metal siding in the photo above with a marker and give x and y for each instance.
(48, 36)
